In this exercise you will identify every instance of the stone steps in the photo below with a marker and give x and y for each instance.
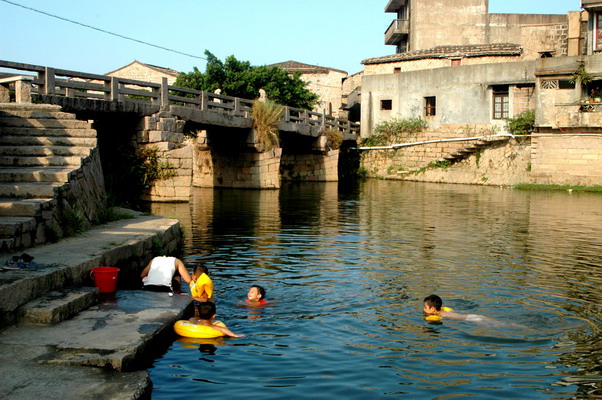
(26, 207)
(44, 151)
(57, 306)
(29, 190)
(52, 161)
(7, 140)
(34, 174)
(44, 123)
(37, 132)
(40, 146)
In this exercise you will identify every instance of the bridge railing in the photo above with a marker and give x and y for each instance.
(74, 84)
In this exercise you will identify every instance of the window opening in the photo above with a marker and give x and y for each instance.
(501, 102)
(386, 104)
(430, 106)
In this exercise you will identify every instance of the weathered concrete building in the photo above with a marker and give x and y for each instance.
(487, 63)
(425, 24)
(466, 72)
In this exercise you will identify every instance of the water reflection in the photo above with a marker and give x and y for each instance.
(347, 268)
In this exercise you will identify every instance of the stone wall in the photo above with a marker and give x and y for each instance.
(379, 162)
(164, 132)
(310, 167)
(235, 169)
(567, 160)
(501, 164)
(79, 205)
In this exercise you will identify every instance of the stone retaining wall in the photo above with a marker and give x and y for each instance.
(559, 160)
(567, 160)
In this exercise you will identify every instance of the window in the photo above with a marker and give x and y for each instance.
(430, 106)
(456, 62)
(397, 70)
(386, 104)
(501, 102)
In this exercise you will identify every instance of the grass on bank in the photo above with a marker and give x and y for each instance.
(575, 188)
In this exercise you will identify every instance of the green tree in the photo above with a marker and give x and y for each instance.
(241, 79)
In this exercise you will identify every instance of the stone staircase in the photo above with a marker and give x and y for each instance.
(39, 147)
(463, 153)
(474, 147)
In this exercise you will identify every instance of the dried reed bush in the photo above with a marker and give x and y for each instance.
(266, 117)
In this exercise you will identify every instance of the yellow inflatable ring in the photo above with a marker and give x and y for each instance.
(437, 317)
(188, 329)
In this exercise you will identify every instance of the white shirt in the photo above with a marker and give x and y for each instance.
(161, 271)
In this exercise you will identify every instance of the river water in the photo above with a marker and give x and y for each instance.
(346, 269)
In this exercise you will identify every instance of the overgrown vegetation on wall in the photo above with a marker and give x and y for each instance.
(266, 116)
(394, 130)
(522, 124)
(334, 138)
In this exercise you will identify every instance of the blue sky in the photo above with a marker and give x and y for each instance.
(332, 33)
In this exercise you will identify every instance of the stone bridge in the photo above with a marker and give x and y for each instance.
(206, 139)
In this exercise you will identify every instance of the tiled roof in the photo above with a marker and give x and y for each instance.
(294, 66)
(476, 50)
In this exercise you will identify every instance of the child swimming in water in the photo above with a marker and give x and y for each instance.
(256, 296)
(205, 316)
(434, 310)
(201, 286)
(433, 306)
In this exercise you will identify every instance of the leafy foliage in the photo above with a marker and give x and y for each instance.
(394, 130)
(241, 79)
(522, 124)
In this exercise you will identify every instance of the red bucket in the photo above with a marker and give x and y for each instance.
(105, 278)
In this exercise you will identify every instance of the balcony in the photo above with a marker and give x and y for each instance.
(398, 29)
(395, 5)
(588, 4)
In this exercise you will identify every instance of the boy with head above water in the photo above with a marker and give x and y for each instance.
(205, 315)
(256, 296)
(434, 310)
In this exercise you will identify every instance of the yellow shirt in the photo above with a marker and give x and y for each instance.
(202, 287)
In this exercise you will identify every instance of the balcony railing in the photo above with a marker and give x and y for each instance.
(398, 29)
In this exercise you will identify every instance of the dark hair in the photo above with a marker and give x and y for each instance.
(261, 291)
(205, 310)
(434, 301)
(200, 269)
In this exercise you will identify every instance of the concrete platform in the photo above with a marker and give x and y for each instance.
(102, 352)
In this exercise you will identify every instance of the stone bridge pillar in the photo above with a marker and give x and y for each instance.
(164, 133)
(241, 165)
(319, 163)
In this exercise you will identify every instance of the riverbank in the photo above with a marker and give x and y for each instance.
(101, 352)
(546, 159)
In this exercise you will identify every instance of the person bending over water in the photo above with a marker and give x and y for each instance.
(164, 274)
